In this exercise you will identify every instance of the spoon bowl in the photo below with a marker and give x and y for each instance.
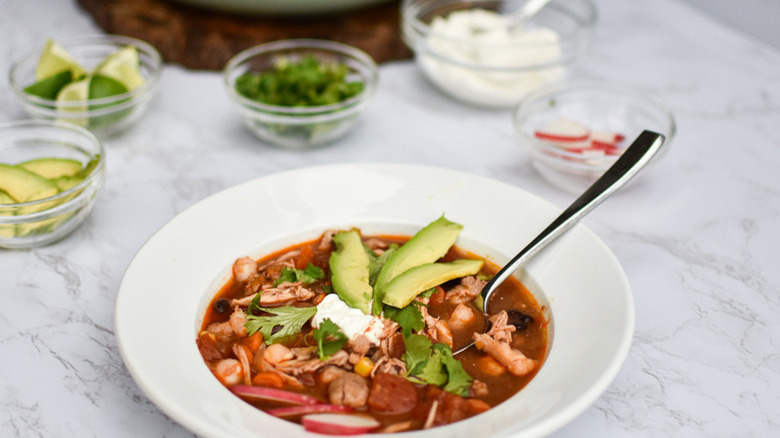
(636, 156)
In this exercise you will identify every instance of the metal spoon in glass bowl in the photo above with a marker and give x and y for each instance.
(641, 152)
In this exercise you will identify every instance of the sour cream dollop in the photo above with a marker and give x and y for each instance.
(352, 321)
(489, 62)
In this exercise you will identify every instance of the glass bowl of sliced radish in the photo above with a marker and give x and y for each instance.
(574, 132)
(50, 174)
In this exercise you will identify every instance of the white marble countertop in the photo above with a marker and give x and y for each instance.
(697, 236)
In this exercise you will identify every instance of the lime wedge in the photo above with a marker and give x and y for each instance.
(123, 66)
(49, 87)
(74, 92)
(55, 59)
(104, 86)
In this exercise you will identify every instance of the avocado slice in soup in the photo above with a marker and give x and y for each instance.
(349, 268)
(403, 289)
(427, 246)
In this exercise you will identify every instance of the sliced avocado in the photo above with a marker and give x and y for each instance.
(428, 245)
(22, 184)
(52, 167)
(349, 270)
(404, 288)
(67, 182)
(5, 198)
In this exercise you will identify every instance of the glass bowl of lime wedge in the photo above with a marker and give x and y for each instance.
(50, 174)
(102, 82)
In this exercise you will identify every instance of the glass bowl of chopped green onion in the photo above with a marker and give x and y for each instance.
(50, 174)
(300, 93)
(99, 82)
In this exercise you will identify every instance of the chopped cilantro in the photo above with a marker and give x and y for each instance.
(307, 276)
(299, 82)
(254, 306)
(428, 293)
(330, 338)
(289, 319)
(327, 289)
(418, 349)
(409, 318)
(434, 364)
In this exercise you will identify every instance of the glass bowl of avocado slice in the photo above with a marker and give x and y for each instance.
(100, 82)
(50, 175)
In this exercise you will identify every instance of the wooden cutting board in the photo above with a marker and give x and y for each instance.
(205, 40)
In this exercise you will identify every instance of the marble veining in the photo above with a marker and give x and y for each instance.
(697, 233)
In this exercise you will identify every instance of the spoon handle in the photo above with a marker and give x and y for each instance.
(633, 159)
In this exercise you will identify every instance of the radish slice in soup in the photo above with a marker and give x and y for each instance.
(277, 395)
(294, 411)
(339, 424)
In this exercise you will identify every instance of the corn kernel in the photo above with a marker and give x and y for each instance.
(364, 366)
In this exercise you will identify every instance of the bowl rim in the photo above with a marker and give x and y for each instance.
(92, 179)
(129, 98)
(410, 9)
(573, 160)
(294, 113)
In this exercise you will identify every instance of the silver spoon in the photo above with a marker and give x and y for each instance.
(523, 13)
(629, 164)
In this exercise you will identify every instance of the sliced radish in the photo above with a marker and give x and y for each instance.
(339, 424)
(563, 130)
(612, 138)
(273, 394)
(294, 411)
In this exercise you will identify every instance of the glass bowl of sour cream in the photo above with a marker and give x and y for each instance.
(472, 51)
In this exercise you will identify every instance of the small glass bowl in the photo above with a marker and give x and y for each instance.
(485, 70)
(301, 127)
(105, 116)
(41, 222)
(600, 108)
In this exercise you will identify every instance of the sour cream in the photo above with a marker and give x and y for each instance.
(352, 321)
(477, 56)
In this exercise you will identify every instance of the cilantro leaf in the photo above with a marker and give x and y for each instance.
(418, 350)
(433, 371)
(409, 318)
(428, 293)
(289, 319)
(254, 305)
(458, 381)
(307, 276)
(330, 338)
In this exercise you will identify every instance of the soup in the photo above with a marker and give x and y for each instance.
(289, 334)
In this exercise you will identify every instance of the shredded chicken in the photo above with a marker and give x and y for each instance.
(467, 290)
(499, 329)
(244, 268)
(376, 244)
(297, 367)
(389, 365)
(461, 316)
(431, 415)
(278, 353)
(283, 294)
(243, 357)
(478, 388)
(514, 360)
(327, 240)
(436, 330)
(238, 322)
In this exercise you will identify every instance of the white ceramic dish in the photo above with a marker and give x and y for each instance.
(169, 283)
(282, 7)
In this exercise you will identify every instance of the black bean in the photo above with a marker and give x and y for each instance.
(519, 319)
(221, 305)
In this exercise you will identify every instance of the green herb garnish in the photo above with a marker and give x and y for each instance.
(434, 364)
(307, 276)
(409, 318)
(329, 337)
(299, 83)
(289, 319)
